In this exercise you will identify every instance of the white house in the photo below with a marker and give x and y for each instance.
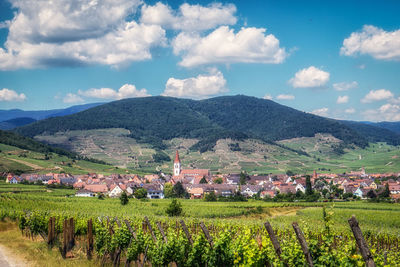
(84, 193)
(115, 192)
(300, 187)
(12, 180)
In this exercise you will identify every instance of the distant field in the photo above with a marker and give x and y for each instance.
(376, 217)
(113, 146)
(13, 159)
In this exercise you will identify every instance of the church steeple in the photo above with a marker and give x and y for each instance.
(177, 164)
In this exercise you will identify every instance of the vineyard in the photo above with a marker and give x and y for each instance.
(208, 234)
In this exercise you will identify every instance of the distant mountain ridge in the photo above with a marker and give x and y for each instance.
(154, 119)
(6, 115)
(13, 123)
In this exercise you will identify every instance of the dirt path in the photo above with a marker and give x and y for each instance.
(7, 259)
(34, 166)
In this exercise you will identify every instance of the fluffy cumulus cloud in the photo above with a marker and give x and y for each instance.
(126, 91)
(377, 95)
(268, 97)
(11, 96)
(387, 112)
(342, 99)
(189, 17)
(223, 45)
(199, 87)
(310, 77)
(344, 86)
(321, 112)
(350, 110)
(373, 41)
(285, 97)
(72, 98)
(72, 32)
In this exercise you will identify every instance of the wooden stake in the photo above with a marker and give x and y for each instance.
(89, 239)
(274, 240)
(207, 234)
(303, 244)
(162, 232)
(130, 229)
(362, 245)
(150, 228)
(185, 229)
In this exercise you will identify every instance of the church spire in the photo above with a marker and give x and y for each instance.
(177, 160)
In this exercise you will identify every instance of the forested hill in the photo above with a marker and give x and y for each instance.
(153, 119)
(13, 139)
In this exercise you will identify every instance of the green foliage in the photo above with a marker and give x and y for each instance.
(124, 198)
(243, 178)
(140, 193)
(160, 156)
(309, 190)
(168, 190)
(203, 180)
(218, 181)
(179, 191)
(174, 208)
(154, 119)
(210, 197)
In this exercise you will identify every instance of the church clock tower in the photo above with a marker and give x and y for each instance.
(177, 165)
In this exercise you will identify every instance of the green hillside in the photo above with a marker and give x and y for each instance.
(154, 119)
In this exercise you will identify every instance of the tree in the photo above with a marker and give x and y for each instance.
(140, 193)
(124, 198)
(289, 173)
(371, 194)
(309, 190)
(243, 178)
(174, 208)
(386, 192)
(168, 190)
(203, 180)
(210, 197)
(179, 191)
(218, 181)
(100, 196)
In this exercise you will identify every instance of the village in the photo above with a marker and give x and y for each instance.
(197, 183)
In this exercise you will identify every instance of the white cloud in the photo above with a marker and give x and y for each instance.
(268, 97)
(72, 98)
(309, 77)
(344, 86)
(11, 96)
(373, 41)
(285, 97)
(377, 95)
(350, 110)
(342, 99)
(64, 32)
(199, 87)
(126, 91)
(249, 45)
(189, 17)
(321, 112)
(387, 112)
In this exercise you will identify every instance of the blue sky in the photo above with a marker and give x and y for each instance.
(339, 59)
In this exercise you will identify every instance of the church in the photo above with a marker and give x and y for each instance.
(189, 175)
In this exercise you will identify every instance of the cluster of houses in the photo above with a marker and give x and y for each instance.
(199, 182)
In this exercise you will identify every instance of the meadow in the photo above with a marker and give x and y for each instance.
(236, 225)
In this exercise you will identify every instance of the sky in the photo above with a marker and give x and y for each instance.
(338, 59)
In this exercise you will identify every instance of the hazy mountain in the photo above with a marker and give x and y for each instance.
(43, 114)
(392, 126)
(154, 119)
(13, 123)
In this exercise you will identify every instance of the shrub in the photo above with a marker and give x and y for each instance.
(174, 208)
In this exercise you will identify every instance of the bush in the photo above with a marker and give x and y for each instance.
(124, 198)
(141, 193)
(174, 208)
(210, 197)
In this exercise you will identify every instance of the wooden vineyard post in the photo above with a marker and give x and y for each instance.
(303, 243)
(162, 232)
(63, 249)
(128, 262)
(71, 242)
(207, 234)
(51, 231)
(185, 229)
(150, 228)
(274, 240)
(89, 239)
(362, 245)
